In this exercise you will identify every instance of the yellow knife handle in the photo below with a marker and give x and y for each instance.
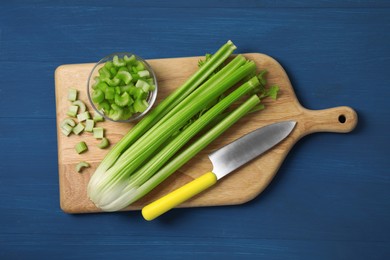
(169, 201)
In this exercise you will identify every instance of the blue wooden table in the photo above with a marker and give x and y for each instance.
(331, 197)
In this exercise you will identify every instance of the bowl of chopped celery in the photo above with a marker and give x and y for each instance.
(122, 87)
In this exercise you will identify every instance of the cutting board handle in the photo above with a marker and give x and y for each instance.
(338, 119)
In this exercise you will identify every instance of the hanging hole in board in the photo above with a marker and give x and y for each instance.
(342, 119)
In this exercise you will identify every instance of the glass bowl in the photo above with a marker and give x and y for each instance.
(150, 99)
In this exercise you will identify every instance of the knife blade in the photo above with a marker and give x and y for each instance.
(225, 160)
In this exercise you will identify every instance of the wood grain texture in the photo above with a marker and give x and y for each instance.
(330, 197)
(237, 188)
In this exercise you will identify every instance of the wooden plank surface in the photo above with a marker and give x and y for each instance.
(240, 187)
(330, 197)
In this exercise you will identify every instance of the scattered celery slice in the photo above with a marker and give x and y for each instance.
(104, 143)
(68, 121)
(81, 147)
(72, 111)
(78, 128)
(83, 116)
(66, 132)
(81, 165)
(97, 117)
(67, 128)
(98, 132)
(72, 94)
(80, 104)
(89, 125)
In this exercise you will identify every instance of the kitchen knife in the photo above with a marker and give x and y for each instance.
(225, 160)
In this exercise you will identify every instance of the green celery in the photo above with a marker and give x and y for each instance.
(72, 94)
(98, 132)
(165, 106)
(104, 143)
(81, 105)
(97, 117)
(89, 125)
(81, 147)
(72, 111)
(131, 194)
(134, 157)
(81, 165)
(158, 160)
(83, 116)
(78, 129)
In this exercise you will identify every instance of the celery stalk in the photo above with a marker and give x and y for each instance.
(132, 194)
(164, 107)
(108, 186)
(153, 165)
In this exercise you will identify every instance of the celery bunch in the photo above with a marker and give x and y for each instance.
(149, 152)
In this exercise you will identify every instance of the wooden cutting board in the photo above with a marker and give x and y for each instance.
(240, 186)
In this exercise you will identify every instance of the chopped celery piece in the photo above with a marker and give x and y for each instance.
(119, 88)
(98, 132)
(97, 96)
(97, 117)
(81, 165)
(111, 166)
(140, 66)
(80, 104)
(102, 86)
(81, 147)
(68, 121)
(104, 106)
(113, 72)
(97, 81)
(142, 85)
(89, 125)
(140, 105)
(127, 112)
(109, 65)
(72, 111)
(117, 61)
(125, 76)
(140, 94)
(72, 94)
(115, 114)
(110, 93)
(67, 127)
(104, 143)
(104, 73)
(123, 100)
(112, 82)
(126, 88)
(124, 68)
(143, 73)
(129, 60)
(65, 132)
(83, 116)
(78, 128)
